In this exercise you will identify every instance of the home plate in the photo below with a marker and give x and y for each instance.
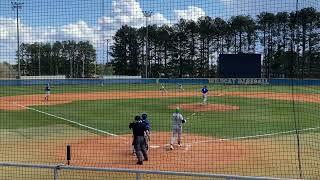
(154, 146)
(188, 146)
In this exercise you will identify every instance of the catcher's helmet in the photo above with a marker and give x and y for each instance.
(144, 115)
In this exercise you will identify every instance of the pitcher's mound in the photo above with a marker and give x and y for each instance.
(198, 107)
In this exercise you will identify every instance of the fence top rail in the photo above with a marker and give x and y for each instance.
(134, 171)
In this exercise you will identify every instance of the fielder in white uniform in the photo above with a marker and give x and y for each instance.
(177, 121)
(180, 87)
(163, 89)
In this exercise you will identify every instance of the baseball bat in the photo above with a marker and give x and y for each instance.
(191, 116)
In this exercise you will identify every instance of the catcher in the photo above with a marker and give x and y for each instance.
(146, 121)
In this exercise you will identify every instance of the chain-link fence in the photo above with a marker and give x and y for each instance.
(78, 72)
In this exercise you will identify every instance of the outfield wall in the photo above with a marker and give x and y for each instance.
(225, 81)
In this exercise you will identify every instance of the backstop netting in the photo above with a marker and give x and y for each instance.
(75, 74)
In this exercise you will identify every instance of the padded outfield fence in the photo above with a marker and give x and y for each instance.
(107, 61)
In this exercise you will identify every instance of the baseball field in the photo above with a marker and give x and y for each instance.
(244, 129)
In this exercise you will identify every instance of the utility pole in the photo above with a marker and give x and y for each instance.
(107, 50)
(83, 66)
(71, 60)
(17, 6)
(39, 59)
(147, 14)
(108, 54)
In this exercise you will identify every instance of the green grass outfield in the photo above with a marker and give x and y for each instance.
(256, 116)
(37, 89)
(23, 132)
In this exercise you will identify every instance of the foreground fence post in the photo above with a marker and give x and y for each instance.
(56, 172)
(138, 177)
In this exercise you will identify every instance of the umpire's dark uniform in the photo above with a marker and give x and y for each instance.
(138, 128)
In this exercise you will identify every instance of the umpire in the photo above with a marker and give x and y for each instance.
(138, 129)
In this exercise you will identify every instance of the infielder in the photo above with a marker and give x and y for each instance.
(163, 89)
(138, 129)
(47, 89)
(180, 88)
(204, 91)
(177, 121)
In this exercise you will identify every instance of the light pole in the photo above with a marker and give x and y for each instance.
(147, 14)
(107, 54)
(107, 50)
(83, 66)
(17, 6)
(39, 60)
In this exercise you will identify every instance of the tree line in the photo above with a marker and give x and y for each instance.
(289, 42)
(70, 58)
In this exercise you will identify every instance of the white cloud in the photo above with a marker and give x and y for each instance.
(124, 12)
(128, 12)
(254, 7)
(191, 13)
(7, 28)
(79, 31)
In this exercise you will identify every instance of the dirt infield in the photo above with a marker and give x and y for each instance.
(198, 107)
(273, 156)
(19, 102)
(114, 152)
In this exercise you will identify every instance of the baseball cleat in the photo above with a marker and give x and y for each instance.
(140, 162)
(171, 147)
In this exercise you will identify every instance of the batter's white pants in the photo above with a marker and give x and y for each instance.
(176, 131)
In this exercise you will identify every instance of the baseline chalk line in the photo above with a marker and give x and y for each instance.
(62, 118)
(254, 136)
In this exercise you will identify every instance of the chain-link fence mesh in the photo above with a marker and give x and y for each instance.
(78, 72)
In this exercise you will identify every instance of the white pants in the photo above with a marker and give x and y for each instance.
(205, 98)
(177, 130)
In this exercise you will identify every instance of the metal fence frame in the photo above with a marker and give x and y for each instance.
(138, 173)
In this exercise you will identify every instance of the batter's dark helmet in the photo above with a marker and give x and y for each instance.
(137, 118)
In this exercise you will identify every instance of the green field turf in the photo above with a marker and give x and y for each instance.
(256, 116)
(36, 89)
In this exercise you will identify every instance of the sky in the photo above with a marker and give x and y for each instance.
(96, 20)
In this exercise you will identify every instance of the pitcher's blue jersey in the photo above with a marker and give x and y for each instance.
(47, 87)
(204, 90)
